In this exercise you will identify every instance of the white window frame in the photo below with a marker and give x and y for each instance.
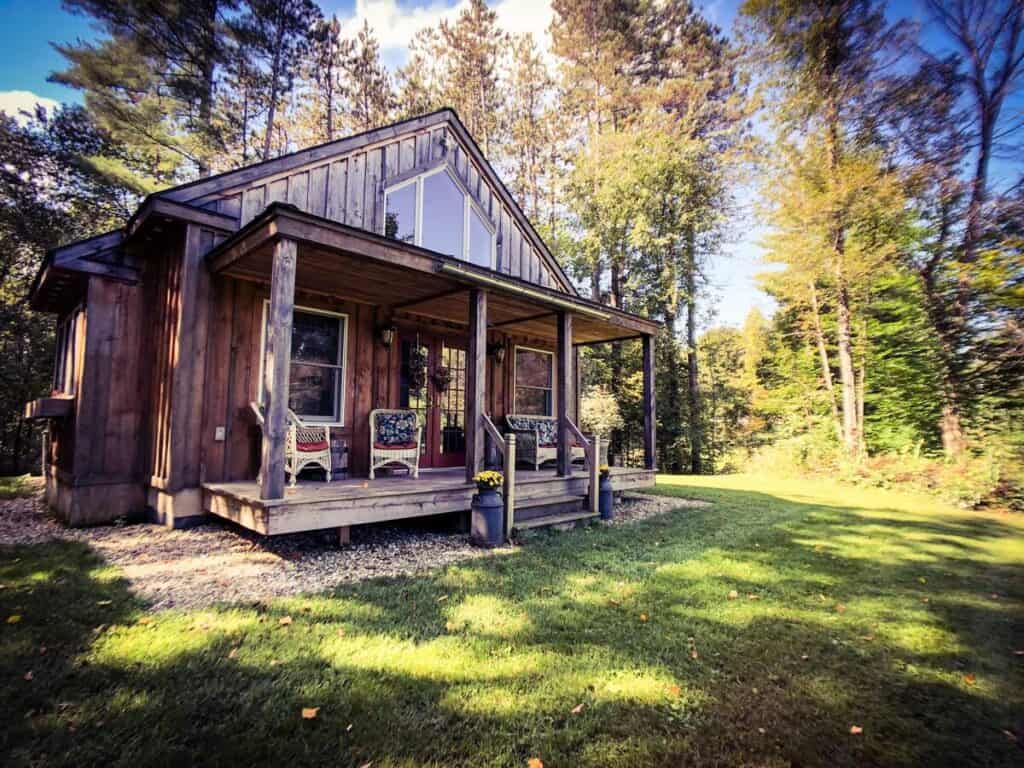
(515, 377)
(468, 203)
(66, 344)
(342, 367)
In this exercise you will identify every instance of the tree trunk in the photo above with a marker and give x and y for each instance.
(693, 383)
(826, 368)
(847, 377)
(275, 78)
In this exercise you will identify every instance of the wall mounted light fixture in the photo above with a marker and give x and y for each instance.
(387, 335)
(497, 351)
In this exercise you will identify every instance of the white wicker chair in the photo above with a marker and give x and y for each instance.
(405, 452)
(305, 444)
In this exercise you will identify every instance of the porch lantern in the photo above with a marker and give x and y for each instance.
(387, 335)
(497, 351)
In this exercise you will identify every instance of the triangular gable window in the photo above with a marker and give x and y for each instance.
(434, 211)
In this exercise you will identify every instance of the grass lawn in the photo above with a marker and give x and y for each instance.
(19, 486)
(757, 631)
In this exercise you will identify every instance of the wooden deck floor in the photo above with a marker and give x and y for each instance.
(313, 506)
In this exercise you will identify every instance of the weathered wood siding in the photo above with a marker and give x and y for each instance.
(350, 189)
(371, 375)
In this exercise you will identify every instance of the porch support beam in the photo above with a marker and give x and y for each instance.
(649, 411)
(476, 382)
(566, 378)
(275, 370)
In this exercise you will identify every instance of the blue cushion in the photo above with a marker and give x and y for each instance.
(396, 428)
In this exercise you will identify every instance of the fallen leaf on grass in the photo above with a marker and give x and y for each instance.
(969, 679)
(310, 713)
(233, 653)
(366, 765)
(348, 728)
(761, 731)
(1010, 735)
(577, 709)
(1019, 653)
(753, 597)
(341, 632)
(805, 657)
(104, 602)
(694, 654)
(615, 602)
(145, 621)
(13, 618)
(856, 730)
(922, 579)
(643, 617)
(840, 608)
(868, 638)
(534, 762)
(675, 690)
(284, 621)
(733, 594)
(28, 675)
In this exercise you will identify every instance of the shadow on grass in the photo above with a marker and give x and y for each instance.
(484, 663)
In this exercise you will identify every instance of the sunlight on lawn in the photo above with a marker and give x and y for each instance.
(761, 625)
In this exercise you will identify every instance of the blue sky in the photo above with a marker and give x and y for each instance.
(27, 58)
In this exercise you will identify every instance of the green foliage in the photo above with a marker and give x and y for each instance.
(599, 411)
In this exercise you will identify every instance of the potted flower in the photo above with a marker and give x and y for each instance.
(604, 497)
(488, 511)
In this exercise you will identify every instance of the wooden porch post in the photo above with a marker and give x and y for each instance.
(275, 370)
(566, 393)
(476, 382)
(649, 413)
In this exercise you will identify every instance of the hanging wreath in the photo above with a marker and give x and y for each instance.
(442, 378)
(417, 370)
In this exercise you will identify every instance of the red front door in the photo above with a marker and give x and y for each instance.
(432, 381)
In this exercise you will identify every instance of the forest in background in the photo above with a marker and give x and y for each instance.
(896, 354)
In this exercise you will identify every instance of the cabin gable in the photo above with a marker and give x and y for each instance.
(347, 181)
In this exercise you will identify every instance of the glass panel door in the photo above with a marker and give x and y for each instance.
(432, 382)
(451, 404)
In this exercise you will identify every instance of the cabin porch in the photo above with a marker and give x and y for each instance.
(314, 505)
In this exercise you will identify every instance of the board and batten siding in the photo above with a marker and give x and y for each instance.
(350, 188)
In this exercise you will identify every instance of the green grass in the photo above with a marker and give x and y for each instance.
(874, 609)
(19, 486)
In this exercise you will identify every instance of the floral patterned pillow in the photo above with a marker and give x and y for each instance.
(396, 428)
(547, 428)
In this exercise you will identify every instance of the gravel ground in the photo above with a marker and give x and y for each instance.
(220, 563)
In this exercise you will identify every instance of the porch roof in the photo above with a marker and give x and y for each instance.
(339, 260)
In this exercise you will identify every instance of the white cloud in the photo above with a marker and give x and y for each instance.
(395, 25)
(14, 102)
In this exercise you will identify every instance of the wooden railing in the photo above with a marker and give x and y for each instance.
(506, 446)
(592, 454)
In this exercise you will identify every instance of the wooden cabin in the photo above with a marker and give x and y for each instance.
(308, 283)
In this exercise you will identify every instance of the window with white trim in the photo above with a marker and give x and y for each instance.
(434, 211)
(534, 382)
(316, 382)
(64, 362)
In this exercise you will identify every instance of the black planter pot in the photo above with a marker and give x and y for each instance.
(604, 497)
(488, 519)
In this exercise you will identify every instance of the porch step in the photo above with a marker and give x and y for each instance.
(539, 522)
(545, 506)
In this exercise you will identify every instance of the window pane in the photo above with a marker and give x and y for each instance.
(315, 338)
(533, 369)
(480, 238)
(443, 209)
(400, 218)
(312, 390)
(533, 402)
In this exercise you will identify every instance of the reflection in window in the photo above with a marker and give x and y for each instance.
(315, 382)
(443, 209)
(400, 217)
(435, 212)
(534, 382)
(480, 239)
